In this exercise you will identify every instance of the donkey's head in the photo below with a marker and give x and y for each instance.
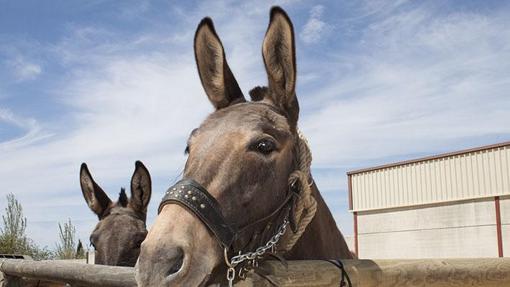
(121, 227)
(242, 154)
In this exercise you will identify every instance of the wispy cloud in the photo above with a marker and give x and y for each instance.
(24, 70)
(421, 82)
(315, 27)
(31, 129)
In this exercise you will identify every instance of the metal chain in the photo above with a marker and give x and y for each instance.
(234, 261)
(253, 256)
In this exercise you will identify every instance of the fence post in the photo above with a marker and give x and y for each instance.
(91, 257)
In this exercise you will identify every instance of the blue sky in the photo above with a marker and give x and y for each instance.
(111, 82)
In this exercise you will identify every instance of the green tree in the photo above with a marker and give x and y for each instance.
(13, 238)
(12, 233)
(66, 247)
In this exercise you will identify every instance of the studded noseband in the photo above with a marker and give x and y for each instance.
(196, 199)
(193, 196)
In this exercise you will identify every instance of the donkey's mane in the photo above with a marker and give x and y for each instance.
(123, 199)
(258, 93)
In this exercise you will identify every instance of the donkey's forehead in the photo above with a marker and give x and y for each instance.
(123, 216)
(124, 210)
(255, 115)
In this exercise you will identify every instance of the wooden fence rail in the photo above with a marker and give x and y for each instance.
(76, 274)
(479, 272)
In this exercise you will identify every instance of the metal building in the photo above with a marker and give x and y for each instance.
(450, 205)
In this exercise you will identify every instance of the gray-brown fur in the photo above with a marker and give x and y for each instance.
(213, 67)
(228, 155)
(121, 227)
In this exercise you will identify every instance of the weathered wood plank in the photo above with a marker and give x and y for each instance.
(73, 273)
(488, 272)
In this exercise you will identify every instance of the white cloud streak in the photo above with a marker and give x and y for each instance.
(315, 28)
(24, 70)
(33, 131)
(421, 82)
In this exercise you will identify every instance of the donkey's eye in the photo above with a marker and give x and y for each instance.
(265, 146)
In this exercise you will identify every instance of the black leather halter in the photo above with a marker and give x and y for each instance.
(191, 195)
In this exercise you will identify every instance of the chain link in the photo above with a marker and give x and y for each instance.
(231, 274)
(252, 256)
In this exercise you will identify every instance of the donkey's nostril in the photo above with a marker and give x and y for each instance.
(176, 261)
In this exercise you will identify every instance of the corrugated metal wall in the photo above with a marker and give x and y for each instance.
(476, 174)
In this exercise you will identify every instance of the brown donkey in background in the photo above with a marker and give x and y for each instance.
(121, 227)
(242, 156)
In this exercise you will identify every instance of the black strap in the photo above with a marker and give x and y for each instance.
(344, 276)
(192, 195)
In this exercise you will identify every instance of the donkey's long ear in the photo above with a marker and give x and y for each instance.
(218, 81)
(95, 197)
(141, 188)
(279, 52)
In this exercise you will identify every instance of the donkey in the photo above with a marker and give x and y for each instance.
(121, 228)
(241, 158)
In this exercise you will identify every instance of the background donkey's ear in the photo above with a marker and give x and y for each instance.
(95, 197)
(218, 81)
(141, 188)
(279, 52)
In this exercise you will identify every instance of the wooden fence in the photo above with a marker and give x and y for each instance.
(367, 273)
